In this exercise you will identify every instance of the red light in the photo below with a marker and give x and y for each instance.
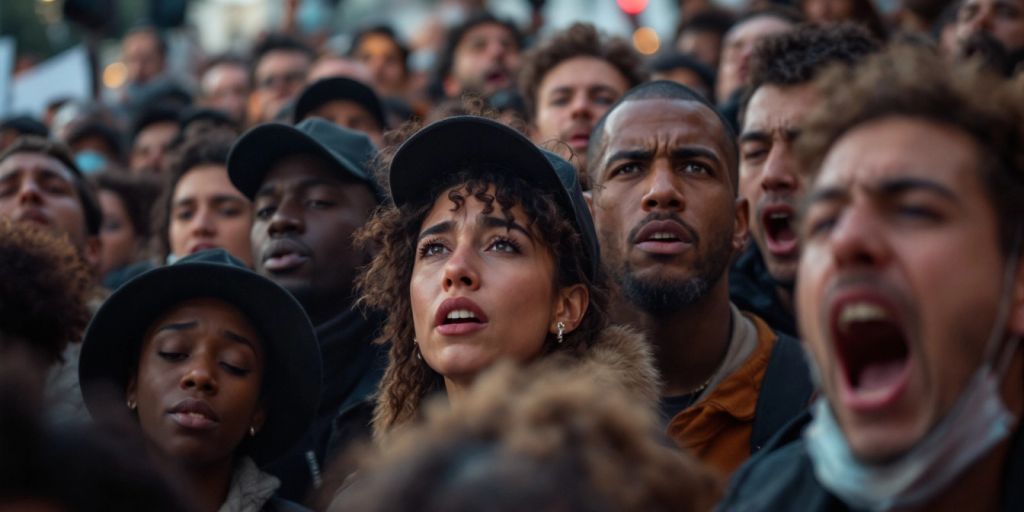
(632, 7)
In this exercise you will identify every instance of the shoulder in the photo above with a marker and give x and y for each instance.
(621, 356)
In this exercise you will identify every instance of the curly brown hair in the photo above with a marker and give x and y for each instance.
(385, 283)
(44, 289)
(910, 81)
(540, 438)
(579, 40)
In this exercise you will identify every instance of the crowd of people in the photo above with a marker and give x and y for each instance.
(777, 266)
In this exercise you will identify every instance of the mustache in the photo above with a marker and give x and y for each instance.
(653, 216)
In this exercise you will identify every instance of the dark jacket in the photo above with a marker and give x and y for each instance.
(352, 367)
(781, 477)
(753, 290)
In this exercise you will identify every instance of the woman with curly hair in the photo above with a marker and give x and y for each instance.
(488, 252)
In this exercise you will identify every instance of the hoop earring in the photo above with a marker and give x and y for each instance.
(561, 332)
(252, 431)
(131, 405)
(418, 355)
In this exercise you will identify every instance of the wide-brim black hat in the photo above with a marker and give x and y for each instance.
(293, 372)
(339, 88)
(350, 152)
(461, 142)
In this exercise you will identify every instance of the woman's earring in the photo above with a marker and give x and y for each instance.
(418, 355)
(252, 431)
(131, 405)
(561, 332)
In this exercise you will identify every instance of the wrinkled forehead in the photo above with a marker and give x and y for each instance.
(35, 163)
(668, 124)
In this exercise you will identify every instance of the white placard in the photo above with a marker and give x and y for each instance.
(66, 75)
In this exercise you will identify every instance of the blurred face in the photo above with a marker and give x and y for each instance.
(302, 233)
(279, 77)
(739, 45)
(482, 288)
(39, 189)
(664, 204)
(899, 280)
(486, 60)
(382, 56)
(687, 77)
(208, 212)
(350, 114)
(197, 385)
(140, 53)
(226, 88)
(828, 11)
(150, 147)
(770, 179)
(117, 234)
(572, 97)
(705, 45)
(1002, 19)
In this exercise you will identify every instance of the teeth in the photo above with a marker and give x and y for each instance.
(779, 216)
(860, 312)
(460, 314)
(663, 236)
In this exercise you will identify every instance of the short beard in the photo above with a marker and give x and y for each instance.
(661, 298)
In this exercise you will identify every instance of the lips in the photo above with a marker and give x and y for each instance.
(194, 414)
(664, 237)
(779, 236)
(873, 350)
(34, 216)
(284, 255)
(497, 76)
(202, 246)
(458, 316)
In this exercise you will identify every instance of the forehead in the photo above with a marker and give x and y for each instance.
(342, 106)
(583, 71)
(772, 106)
(444, 209)
(377, 44)
(277, 59)
(211, 178)
(898, 147)
(33, 163)
(756, 28)
(209, 311)
(668, 123)
(486, 30)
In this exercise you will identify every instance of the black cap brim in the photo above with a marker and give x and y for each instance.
(292, 381)
(339, 89)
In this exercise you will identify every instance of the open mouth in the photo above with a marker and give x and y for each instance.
(459, 315)
(874, 353)
(284, 256)
(780, 237)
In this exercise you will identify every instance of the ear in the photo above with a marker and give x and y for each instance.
(259, 417)
(1016, 321)
(91, 253)
(570, 306)
(588, 196)
(742, 225)
(132, 390)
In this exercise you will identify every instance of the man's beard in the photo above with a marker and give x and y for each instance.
(660, 297)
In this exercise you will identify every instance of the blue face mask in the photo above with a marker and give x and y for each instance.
(90, 162)
(976, 423)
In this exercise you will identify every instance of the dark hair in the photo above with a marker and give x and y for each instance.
(797, 56)
(151, 115)
(280, 42)
(579, 40)
(671, 60)
(717, 21)
(777, 11)
(661, 90)
(25, 125)
(909, 81)
(385, 283)
(110, 136)
(209, 147)
(44, 287)
(380, 30)
(224, 59)
(60, 152)
(864, 14)
(136, 193)
(447, 56)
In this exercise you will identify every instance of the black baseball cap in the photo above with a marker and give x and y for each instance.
(339, 88)
(261, 147)
(293, 375)
(459, 142)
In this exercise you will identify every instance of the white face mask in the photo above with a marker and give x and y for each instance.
(977, 422)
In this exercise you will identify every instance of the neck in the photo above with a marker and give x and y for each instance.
(209, 483)
(689, 344)
(785, 297)
(456, 389)
(326, 308)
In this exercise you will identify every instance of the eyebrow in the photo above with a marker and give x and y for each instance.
(886, 188)
(488, 222)
(233, 336)
(302, 185)
(687, 153)
(631, 154)
(180, 326)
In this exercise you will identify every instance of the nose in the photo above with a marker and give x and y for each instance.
(663, 189)
(856, 240)
(203, 225)
(778, 173)
(199, 376)
(460, 270)
(581, 107)
(287, 219)
(29, 192)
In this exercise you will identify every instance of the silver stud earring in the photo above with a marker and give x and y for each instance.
(561, 332)
(252, 431)
(131, 405)
(417, 344)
